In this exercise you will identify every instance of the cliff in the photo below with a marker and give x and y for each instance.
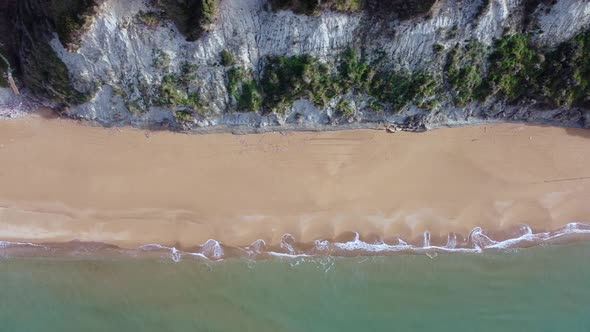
(271, 64)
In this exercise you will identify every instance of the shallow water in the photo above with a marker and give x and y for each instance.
(535, 289)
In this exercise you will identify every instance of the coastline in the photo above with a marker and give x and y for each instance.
(65, 181)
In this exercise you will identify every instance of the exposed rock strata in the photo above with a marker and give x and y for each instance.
(115, 76)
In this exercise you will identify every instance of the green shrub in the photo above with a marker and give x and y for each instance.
(400, 89)
(191, 17)
(227, 59)
(315, 7)
(151, 19)
(465, 72)
(71, 18)
(184, 116)
(243, 87)
(286, 79)
(46, 75)
(355, 73)
(188, 73)
(566, 78)
(345, 109)
(161, 60)
(515, 66)
(174, 94)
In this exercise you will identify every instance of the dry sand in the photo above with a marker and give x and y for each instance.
(60, 180)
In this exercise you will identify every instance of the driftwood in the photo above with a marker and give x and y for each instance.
(9, 76)
(12, 84)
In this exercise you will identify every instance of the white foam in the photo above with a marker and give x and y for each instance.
(280, 254)
(427, 239)
(8, 244)
(357, 245)
(286, 243)
(477, 242)
(175, 254)
(212, 250)
(257, 247)
(451, 241)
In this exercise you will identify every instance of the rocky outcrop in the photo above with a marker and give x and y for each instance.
(136, 64)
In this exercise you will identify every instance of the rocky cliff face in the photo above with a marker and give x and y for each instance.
(257, 64)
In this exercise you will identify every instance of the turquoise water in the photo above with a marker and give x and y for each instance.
(537, 289)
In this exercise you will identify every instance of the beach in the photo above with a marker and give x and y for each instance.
(61, 180)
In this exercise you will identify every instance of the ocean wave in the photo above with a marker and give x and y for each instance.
(477, 241)
(8, 244)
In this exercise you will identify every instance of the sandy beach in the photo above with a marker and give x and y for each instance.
(61, 180)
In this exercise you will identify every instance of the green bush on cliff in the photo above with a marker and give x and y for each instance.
(71, 18)
(314, 7)
(355, 73)
(566, 78)
(46, 75)
(151, 19)
(465, 72)
(243, 87)
(175, 94)
(400, 89)
(184, 115)
(345, 109)
(227, 59)
(515, 67)
(286, 79)
(191, 17)
(402, 9)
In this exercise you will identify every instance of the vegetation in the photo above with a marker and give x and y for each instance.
(5, 68)
(161, 60)
(192, 17)
(289, 78)
(402, 9)
(515, 67)
(46, 75)
(345, 109)
(227, 59)
(71, 19)
(315, 7)
(355, 73)
(465, 72)
(175, 94)
(184, 115)
(151, 19)
(400, 89)
(244, 89)
(566, 78)
(286, 79)
(519, 70)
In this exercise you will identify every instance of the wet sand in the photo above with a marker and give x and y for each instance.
(60, 181)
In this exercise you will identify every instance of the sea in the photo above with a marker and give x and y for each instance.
(541, 288)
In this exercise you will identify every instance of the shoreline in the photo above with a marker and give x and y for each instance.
(477, 242)
(231, 177)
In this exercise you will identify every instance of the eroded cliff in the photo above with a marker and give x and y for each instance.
(306, 64)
